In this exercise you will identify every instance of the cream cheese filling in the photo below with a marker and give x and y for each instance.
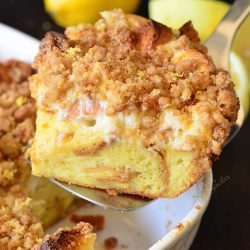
(181, 127)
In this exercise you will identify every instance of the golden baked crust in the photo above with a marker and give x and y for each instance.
(132, 81)
(79, 237)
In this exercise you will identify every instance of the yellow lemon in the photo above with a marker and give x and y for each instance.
(242, 48)
(205, 15)
(240, 77)
(241, 43)
(72, 12)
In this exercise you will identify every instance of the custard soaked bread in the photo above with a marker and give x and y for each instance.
(129, 105)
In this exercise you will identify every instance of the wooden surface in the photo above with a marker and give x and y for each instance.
(225, 223)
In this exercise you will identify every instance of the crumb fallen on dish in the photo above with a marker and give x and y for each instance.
(198, 207)
(97, 221)
(110, 243)
(180, 226)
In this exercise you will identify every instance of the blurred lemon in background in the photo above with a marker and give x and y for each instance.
(72, 12)
(205, 15)
(240, 77)
(241, 46)
(241, 43)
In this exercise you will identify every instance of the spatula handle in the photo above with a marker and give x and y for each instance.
(220, 42)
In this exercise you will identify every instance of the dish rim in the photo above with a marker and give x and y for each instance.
(191, 219)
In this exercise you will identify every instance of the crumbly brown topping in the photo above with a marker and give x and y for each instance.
(136, 67)
(17, 114)
(131, 68)
(19, 227)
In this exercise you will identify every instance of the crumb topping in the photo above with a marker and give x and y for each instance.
(19, 227)
(17, 114)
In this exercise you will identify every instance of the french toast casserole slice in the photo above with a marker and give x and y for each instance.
(129, 105)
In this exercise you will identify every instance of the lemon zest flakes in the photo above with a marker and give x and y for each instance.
(20, 101)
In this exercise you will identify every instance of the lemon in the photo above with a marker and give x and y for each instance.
(205, 15)
(240, 77)
(72, 12)
(241, 43)
(241, 47)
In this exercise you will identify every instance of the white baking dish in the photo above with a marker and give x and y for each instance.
(164, 224)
